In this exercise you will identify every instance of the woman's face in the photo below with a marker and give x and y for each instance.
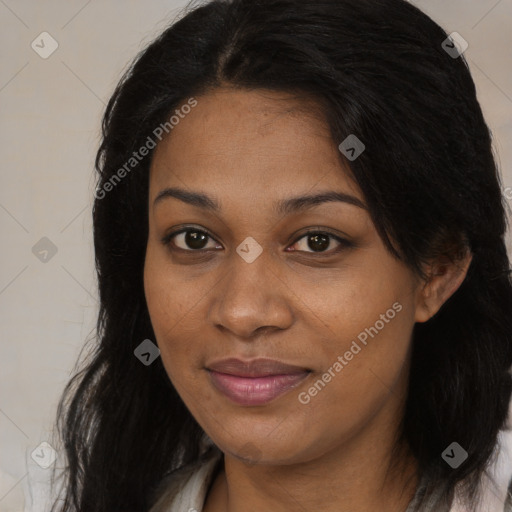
(246, 281)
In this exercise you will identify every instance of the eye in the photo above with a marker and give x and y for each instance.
(196, 240)
(188, 239)
(320, 242)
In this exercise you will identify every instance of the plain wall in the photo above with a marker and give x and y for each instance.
(50, 112)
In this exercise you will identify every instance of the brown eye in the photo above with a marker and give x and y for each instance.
(320, 242)
(189, 240)
(196, 240)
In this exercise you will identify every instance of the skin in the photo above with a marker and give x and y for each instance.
(248, 150)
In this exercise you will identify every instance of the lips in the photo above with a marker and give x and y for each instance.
(255, 368)
(255, 382)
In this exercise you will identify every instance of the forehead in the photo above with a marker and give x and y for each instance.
(252, 142)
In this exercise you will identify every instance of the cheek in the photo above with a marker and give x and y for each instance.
(174, 308)
(365, 348)
(372, 305)
(170, 307)
(358, 381)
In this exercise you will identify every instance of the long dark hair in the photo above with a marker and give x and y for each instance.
(378, 69)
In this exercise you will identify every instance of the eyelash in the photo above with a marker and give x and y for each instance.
(344, 244)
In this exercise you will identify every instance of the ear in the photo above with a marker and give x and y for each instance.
(445, 277)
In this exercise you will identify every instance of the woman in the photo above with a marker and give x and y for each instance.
(305, 292)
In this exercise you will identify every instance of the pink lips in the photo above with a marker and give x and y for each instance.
(254, 382)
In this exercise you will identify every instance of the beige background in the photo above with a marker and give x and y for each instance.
(49, 128)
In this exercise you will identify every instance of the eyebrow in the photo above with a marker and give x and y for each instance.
(282, 207)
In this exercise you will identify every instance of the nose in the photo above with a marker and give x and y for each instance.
(251, 298)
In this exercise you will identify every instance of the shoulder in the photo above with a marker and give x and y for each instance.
(185, 489)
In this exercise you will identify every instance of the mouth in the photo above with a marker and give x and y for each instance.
(255, 382)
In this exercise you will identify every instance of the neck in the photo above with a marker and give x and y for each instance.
(356, 476)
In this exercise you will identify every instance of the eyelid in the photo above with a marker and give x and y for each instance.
(167, 238)
(344, 243)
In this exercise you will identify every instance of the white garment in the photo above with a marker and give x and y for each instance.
(193, 494)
